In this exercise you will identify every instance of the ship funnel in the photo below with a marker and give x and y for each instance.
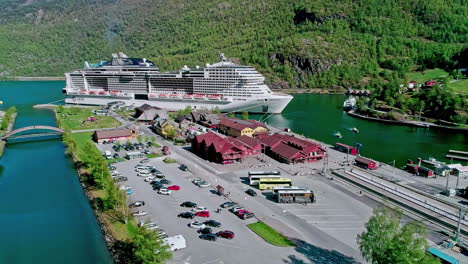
(185, 68)
(86, 65)
(122, 55)
(222, 57)
(144, 60)
(198, 67)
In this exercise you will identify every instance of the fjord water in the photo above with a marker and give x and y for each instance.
(44, 214)
(320, 116)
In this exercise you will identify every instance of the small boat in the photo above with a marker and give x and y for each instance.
(349, 103)
(337, 134)
(355, 130)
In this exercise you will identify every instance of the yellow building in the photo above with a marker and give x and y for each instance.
(164, 128)
(236, 127)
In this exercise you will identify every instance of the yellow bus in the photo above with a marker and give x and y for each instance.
(269, 183)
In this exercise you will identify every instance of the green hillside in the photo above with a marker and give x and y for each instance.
(368, 44)
(314, 43)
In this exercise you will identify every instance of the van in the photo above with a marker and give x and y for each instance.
(108, 154)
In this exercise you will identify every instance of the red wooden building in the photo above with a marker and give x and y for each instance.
(365, 163)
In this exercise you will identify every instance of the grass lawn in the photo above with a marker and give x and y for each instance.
(150, 156)
(460, 86)
(116, 160)
(75, 118)
(270, 235)
(427, 75)
(81, 139)
(123, 231)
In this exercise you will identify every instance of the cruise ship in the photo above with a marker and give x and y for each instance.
(137, 81)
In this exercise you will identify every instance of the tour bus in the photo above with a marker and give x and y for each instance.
(288, 188)
(255, 176)
(269, 184)
(295, 196)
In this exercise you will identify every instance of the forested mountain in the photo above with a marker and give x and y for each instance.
(303, 43)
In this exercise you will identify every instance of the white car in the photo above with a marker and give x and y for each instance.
(236, 208)
(146, 224)
(140, 213)
(123, 187)
(143, 174)
(164, 191)
(199, 209)
(203, 184)
(150, 179)
(196, 181)
(198, 225)
(114, 172)
(152, 227)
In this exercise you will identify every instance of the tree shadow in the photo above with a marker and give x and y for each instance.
(317, 255)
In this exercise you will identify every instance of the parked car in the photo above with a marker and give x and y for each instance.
(119, 178)
(189, 215)
(203, 214)
(197, 225)
(174, 187)
(236, 208)
(144, 160)
(247, 216)
(251, 192)
(228, 204)
(196, 181)
(165, 181)
(164, 191)
(124, 188)
(183, 167)
(146, 224)
(159, 176)
(143, 174)
(203, 184)
(212, 223)
(137, 204)
(199, 209)
(116, 155)
(188, 204)
(152, 227)
(150, 179)
(241, 212)
(140, 213)
(205, 230)
(226, 234)
(209, 237)
(157, 186)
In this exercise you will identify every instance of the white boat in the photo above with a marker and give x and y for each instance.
(349, 103)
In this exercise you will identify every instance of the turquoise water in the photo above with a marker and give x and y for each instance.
(44, 214)
(319, 116)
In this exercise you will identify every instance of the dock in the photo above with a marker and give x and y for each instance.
(458, 152)
(456, 157)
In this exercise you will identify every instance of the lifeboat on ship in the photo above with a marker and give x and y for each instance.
(102, 93)
(92, 92)
(214, 97)
(188, 96)
(83, 91)
(200, 96)
(162, 95)
(175, 96)
(152, 95)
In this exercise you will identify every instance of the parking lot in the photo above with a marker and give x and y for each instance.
(246, 247)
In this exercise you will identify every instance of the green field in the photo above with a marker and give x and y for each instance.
(427, 75)
(270, 235)
(81, 139)
(75, 118)
(460, 86)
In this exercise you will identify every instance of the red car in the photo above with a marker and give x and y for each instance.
(174, 187)
(203, 214)
(241, 212)
(226, 234)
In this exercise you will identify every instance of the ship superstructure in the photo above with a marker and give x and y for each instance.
(231, 87)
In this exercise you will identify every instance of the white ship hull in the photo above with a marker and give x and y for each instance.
(273, 105)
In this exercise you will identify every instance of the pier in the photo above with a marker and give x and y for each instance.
(458, 152)
(456, 157)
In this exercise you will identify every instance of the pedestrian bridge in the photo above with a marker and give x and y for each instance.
(14, 133)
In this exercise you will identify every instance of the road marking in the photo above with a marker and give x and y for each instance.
(226, 245)
(351, 228)
(323, 215)
(351, 221)
(210, 261)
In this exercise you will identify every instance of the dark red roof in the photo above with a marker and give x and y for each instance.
(249, 141)
(272, 140)
(239, 124)
(285, 150)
